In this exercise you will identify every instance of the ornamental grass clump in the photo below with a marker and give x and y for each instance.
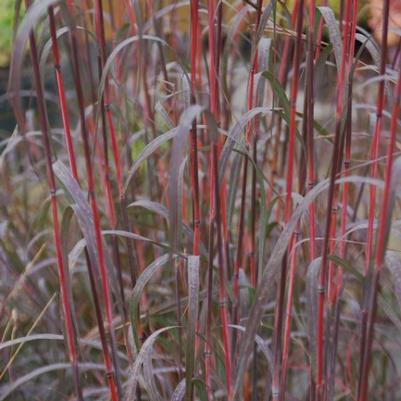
(200, 201)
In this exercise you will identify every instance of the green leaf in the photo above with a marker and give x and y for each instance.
(201, 389)
(347, 267)
(279, 92)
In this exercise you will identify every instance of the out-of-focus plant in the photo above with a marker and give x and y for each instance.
(7, 15)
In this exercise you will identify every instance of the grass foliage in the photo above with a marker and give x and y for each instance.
(200, 202)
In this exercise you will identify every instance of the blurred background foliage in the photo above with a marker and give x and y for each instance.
(369, 17)
(7, 13)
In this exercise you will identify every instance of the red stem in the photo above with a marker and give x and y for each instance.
(100, 34)
(288, 200)
(63, 281)
(384, 218)
(309, 125)
(347, 160)
(240, 244)
(374, 150)
(382, 237)
(214, 190)
(328, 243)
(96, 218)
(61, 95)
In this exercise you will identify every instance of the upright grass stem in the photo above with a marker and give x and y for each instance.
(100, 34)
(91, 272)
(112, 376)
(278, 315)
(193, 136)
(106, 114)
(61, 94)
(288, 208)
(310, 105)
(369, 310)
(282, 78)
(248, 137)
(341, 123)
(215, 208)
(115, 246)
(374, 149)
(381, 241)
(331, 208)
(62, 273)
(348, 139)
(336, 288)
(194, 157)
